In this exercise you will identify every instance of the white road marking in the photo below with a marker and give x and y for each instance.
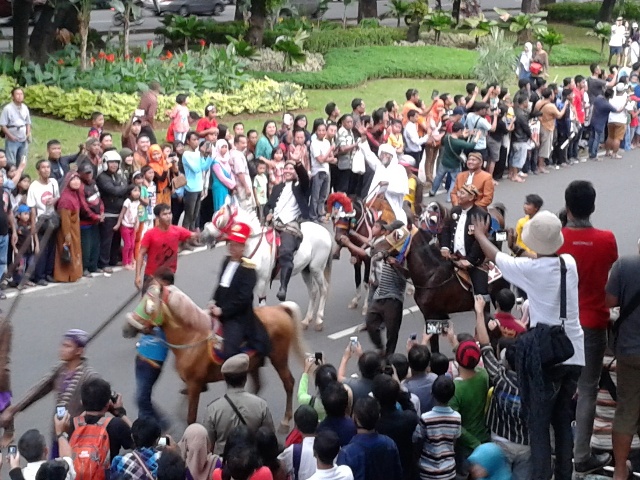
(351, 330)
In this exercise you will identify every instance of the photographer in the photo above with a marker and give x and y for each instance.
(195, 160)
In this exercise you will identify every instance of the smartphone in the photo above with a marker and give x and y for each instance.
(12, 450)
(61, 410)
(114, 396)
(435, 94)
(354, 342)
(437, 327)
(319, 358)
(413, 337)
(501, 236)
(163, 442)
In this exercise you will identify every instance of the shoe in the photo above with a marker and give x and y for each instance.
(50, 279)
(86, 273)
(431, 194)
(42, 283)
(595, 462)
(107, 270)
(557, 167)
(99, 270)
(285, 275)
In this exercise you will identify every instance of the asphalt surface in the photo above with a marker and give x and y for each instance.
(45, 313)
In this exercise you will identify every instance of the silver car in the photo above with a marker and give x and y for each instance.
(185, 7)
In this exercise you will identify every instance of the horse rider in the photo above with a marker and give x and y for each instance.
(481, 180)
(233, 299)
(390, 174)
(458, 242)
(288, 205)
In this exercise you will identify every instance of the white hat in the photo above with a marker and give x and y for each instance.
(621, 87)
(543, 233)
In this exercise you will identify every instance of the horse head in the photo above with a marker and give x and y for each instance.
(433, 218)
(222, 220)
(149, 312)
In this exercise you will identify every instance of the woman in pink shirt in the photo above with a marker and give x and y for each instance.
(180, 118)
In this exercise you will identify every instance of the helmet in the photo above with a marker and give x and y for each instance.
(111, 156)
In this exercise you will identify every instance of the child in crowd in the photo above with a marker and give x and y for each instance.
(261, 187)
(439, 364)
(505, 324)
(19, 194)
(395, 137)
(488, 461)
(180, 118)
(128, 225)
(276, 171)
(23, 214)
(138, 180)
(147, 176)
(532, 205)
(437, 433)
(97, 124)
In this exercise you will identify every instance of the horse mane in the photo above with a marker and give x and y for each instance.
(186, 312)
(341, 198)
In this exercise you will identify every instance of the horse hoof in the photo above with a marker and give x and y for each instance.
(364, 311)
(353, 305)
(283, 428)
(305, 324)
(319, 326)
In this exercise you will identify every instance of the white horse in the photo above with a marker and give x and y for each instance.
(313, 258)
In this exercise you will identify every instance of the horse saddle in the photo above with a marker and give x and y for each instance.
(216, 344)
(272, 237)
(493, 272)
(464, 278)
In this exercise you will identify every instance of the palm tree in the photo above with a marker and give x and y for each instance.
(398, 9)
(602, 30)
(550, 38)
(524, 24)
(477, 26)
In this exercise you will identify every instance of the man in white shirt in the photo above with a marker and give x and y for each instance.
(413, 143)
(389, 177)
(298, 458)
(325, 449)
(540, 277)
(616, 42)
(241, 171)
(321, 158)
(617, 125)
(15, 121)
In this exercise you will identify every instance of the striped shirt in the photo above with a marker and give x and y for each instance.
(505, 417)
(438, 431)
(391, 284)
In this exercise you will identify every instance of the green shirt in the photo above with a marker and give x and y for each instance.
(452, 148)
(305, 399)
(469, 400)
(142, 209)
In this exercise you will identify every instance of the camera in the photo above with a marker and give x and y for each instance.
(12, 450)
(114, 396)
(354, 343)
(319, 358)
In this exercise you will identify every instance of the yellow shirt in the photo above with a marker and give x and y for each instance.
(519, 227)
(396, 142)
(411, 196)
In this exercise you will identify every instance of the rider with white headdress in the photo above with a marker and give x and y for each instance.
(390, 173)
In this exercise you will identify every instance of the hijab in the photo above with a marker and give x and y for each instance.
(222, 159)
(194, 446)
(69, 198)
(525, 57)
(436, 111)
(491, 457)
(160, 167)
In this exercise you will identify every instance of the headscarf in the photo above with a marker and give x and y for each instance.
(222, 159)
(436, 111)
(491, 457)
(394, 174)
(159, 167)
(194, 446)
(525, 56)
(70, 199)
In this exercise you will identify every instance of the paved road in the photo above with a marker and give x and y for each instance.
(43, 315)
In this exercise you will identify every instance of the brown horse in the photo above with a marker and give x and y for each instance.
(350, 214)
(438, 290)
(191, 335)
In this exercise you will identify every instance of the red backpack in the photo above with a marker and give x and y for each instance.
(91, 448)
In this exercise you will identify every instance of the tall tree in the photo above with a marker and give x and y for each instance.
(367, 9)
(256, 22)
(21, 13)
(606, 10)
(530, 6)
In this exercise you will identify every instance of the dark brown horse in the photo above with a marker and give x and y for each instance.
(438, 290)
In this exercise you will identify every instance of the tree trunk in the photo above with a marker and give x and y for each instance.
(606, 10)
(256, 22)
(455, 11)
(84, 38)
(367, 9)
(530, 6)
(21, 13)
(43, 37)
(127, 32)
(238, 15)
(413, 33)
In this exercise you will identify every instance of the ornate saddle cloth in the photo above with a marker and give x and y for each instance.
(492, 270)
(216, 344)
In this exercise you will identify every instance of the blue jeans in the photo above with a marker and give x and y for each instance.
(595, 139)
(319, 194)
(556, 411)
(440, 174)
(15, 151)
(4, 245)
(146, 377)
(626, 143)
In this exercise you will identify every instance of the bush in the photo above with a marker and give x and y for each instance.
(255, 96)
(570, 12)
(348, 67)
(496, 62)
(324, 40)
(272, 61)
(571, 55)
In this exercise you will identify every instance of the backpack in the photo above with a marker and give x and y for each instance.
(90, 449)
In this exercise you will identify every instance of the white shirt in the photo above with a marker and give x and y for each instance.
(458, 239)
(617, 35)
(618, 101)
(412, 142)
(229, 272)
(319, 148)
(308, 462)
(130, 216)
(540, 278)
(29, 472)
(38, 194)
(340, 472)
(287, 209)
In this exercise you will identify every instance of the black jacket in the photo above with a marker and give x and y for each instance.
(236, 303)
(301, 190)
(472, 248)
(521, 130)
(60, 167)
(113, 190)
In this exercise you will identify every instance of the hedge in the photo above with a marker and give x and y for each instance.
(569, 12)
(255, 96)
(563, 55)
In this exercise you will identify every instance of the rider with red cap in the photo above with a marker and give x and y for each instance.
(233, 299)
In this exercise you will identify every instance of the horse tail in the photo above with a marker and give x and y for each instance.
(327, 271)
(297, 341)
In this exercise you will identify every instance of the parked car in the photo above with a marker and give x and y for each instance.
(185, 7)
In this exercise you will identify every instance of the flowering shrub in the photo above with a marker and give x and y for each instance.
(254, 96)
(268, 60)
(208, 68)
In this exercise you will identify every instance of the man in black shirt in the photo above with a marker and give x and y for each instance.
(59, 164)
(7, 221)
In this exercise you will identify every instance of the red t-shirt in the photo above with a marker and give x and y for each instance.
(594, 251)
(162, 247)
(205, 124)
(509, 326)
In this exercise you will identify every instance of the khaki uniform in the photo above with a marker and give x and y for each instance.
(221, 418)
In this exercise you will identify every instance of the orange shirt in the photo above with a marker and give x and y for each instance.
(406, 108)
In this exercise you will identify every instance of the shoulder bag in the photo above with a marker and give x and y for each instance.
(555, 345)
(235, 409)
(461, 156)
